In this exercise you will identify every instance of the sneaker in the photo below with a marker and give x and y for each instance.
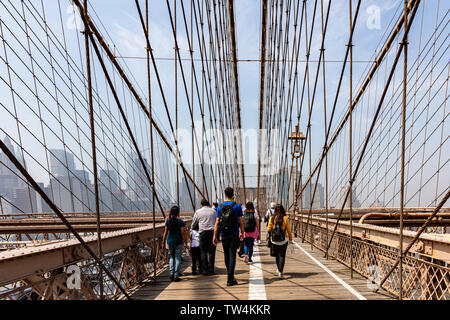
(246, 259)
(250, 261)
(177, 279)
(280, 275)
(171, 277)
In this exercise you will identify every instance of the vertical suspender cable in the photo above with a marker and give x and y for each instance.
(236, 88)
(94, 151)
(155, 247)
(402, 183)
(350, 138)
(261, 94)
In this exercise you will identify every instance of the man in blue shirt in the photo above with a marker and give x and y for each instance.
(230, 242)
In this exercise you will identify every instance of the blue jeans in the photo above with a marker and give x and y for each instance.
(175, 260)
(248, 247)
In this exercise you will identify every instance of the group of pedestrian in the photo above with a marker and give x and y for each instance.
(234, 226)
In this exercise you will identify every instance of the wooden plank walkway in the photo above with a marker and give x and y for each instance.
(304, 279)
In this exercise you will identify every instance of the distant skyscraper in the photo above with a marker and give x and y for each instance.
(72, 195)
(186, 187)
(163, 162)
(25, 199)
(62, 195)
(138, 185)
(41, 205)
(5, 206)
(11, 186)
(283, 181)
(109, 178)
(60, 162)
(5, 160)
(318, 196)
(342, 195)
(71, 188)
(108, 187)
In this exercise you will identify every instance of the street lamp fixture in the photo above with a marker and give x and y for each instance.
(297, 138)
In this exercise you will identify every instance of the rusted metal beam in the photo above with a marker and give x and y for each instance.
(417, 222)
(397, 215)
(62, 228)
(20, 263)
(435, 246)
(93, 144)
(236, 87)
(82, 220)
(261, 93)
(18, 216)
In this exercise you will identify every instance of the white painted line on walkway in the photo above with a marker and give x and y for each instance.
(256, 288)
(331, 273)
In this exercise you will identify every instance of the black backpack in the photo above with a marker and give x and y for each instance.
(249, 222)
(227, 219)
(278, 233)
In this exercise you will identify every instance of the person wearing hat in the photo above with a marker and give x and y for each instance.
(270, 213)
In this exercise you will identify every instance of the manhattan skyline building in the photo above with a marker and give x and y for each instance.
(61, 162)
(342, 193)
(17, 196)
(318, 201)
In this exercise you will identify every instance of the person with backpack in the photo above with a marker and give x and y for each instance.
(251, 231)
(230, 224)
(175, 235)
(280, 231)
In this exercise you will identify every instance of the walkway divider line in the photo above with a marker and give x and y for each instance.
(331, 273)
(256, 287)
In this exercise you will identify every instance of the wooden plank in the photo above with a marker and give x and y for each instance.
(304, 280)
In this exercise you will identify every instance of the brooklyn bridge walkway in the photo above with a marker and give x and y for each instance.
(307, 275)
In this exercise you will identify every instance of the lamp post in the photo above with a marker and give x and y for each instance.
(297, 139)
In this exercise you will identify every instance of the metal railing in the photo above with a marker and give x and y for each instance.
(64, 269)
(424, 278)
